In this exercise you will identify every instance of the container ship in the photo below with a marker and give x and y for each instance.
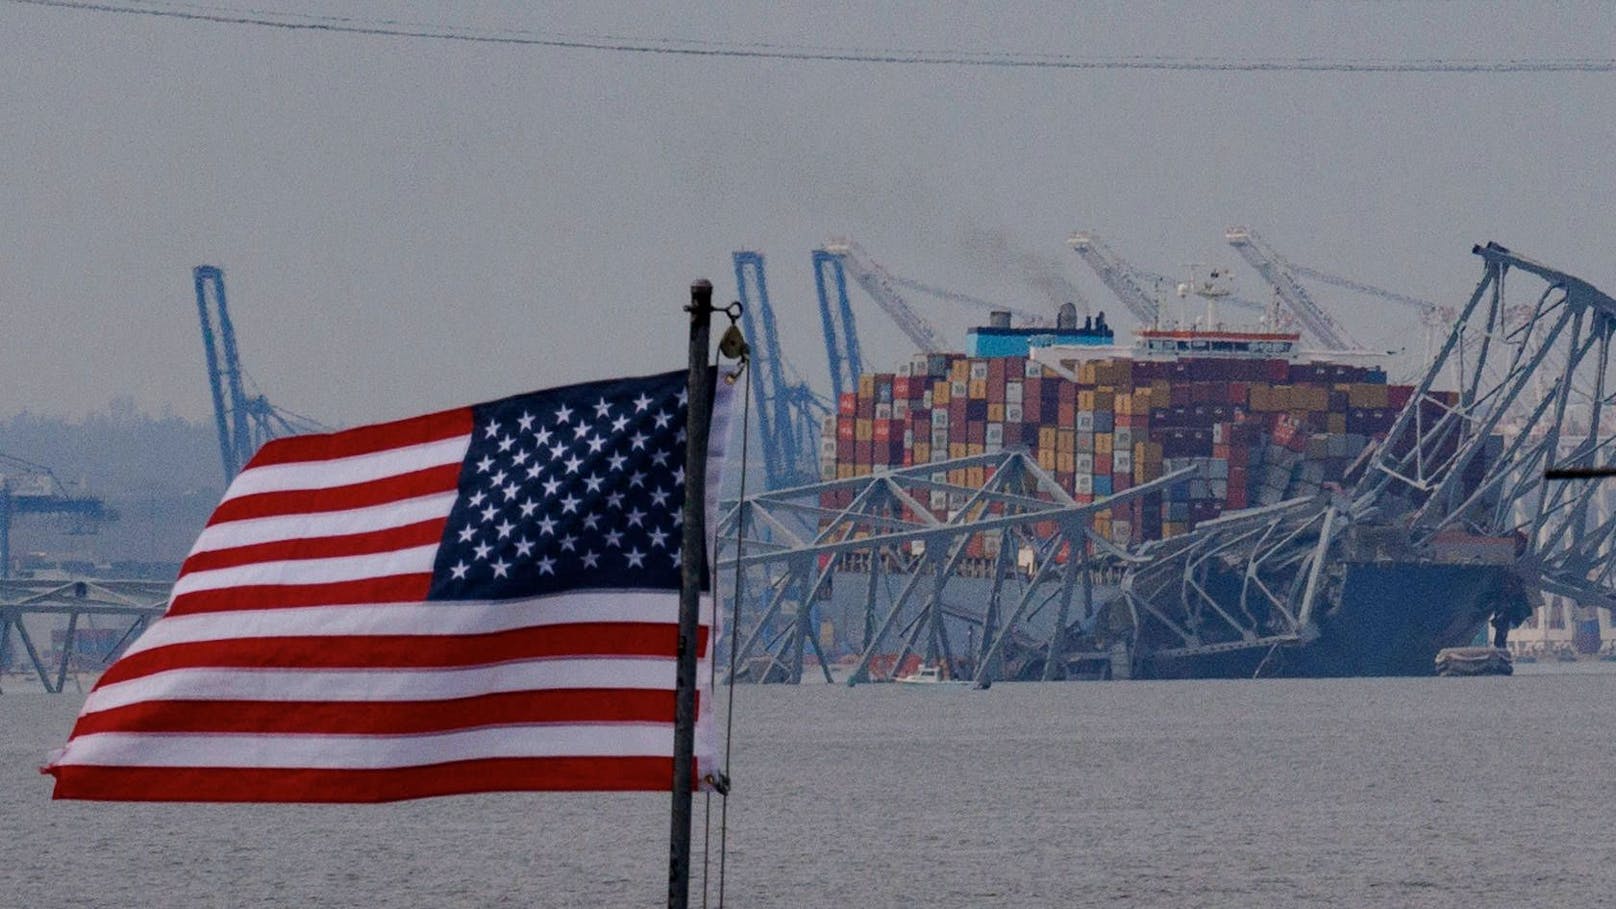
(1260, 421)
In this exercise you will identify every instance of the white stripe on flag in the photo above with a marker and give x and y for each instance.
(415, 560)
(448, 617)
(393, 684)
(325, 524)
(370, 752)
(346, 471)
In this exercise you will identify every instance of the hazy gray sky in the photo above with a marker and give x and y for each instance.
(409, 224)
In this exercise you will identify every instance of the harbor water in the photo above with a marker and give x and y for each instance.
(1342, 792)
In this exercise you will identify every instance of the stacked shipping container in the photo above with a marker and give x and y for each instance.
(1261, 430)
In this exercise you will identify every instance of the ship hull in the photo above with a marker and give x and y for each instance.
(1391, 620)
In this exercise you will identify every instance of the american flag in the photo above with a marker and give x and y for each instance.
(484, 599)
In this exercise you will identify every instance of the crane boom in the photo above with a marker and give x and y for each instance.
(1424, 306)
(1121, 279)
(1279, 274)
(1027, 316)
(881, 287)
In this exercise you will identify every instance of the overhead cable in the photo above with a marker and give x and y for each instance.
(807, 53)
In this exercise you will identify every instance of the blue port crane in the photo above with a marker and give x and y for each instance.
(836, 317)
(245, 421)
(27, 488)
(789, 413)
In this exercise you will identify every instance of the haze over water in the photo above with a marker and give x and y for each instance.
(1355, 792)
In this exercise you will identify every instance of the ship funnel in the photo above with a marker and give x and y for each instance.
(998, 318)
(1066, 318)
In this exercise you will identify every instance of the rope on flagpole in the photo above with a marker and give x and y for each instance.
(732, 345)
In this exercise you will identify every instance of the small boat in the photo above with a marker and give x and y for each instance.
(1468, 661)
(928, 675)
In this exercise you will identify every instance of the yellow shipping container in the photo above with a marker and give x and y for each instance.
(1085, 372)
(867, 385)
(1066, 440)
(1063, 461)
(978, 389)
(1046, 438)
(1103, 442)
(956, 450)
(995, 413)
(1085, 399)
(1367, 396)
(922, 452)
(844, 471)
(1046, 459)
(863, 429)
(1123, 405)
(939, 394)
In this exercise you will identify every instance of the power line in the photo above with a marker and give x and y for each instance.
(807, 53)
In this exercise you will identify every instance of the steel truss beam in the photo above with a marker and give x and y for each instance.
(908, 562)
(28, 606)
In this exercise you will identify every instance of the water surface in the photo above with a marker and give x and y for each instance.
(1355, 792)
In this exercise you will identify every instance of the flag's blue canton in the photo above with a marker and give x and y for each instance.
(570, 488)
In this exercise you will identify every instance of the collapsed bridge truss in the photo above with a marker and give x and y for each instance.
(1017, 571)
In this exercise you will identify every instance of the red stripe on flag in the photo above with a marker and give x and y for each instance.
(442, 478)
(603, 705)
(401, 588)
(365, 439)
(608, 639)
(221, 784)
(389, 540)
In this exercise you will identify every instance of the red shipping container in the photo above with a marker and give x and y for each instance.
(844, 427)
(847, 406)
(883, 431)
(1032, 410)
(1397, 395)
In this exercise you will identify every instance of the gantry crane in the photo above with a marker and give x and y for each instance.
(27, 488)
(1279, 274)
(881, 287)
(836, 318)
(1128, 283)
(245, 421)
(789, 413)
(1117, 276)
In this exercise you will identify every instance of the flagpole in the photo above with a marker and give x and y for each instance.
(692, 550)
